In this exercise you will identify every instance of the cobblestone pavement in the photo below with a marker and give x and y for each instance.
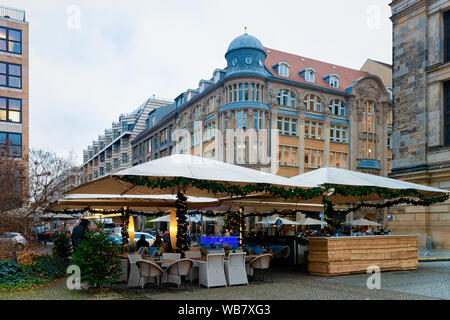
(431, 281)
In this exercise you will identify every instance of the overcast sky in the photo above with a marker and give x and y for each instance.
(85, 72)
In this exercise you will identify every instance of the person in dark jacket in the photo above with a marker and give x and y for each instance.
(142, 243)
(78, 233)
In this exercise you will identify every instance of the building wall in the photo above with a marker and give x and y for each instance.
(23, 93)
(419, 150)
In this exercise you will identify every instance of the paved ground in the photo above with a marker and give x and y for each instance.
(431, 281)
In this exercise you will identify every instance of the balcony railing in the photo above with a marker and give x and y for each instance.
(11, 13)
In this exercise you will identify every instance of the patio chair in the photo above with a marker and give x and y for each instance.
(211, 272)
(133, 278)
(124, 269)
(147, 270)
(262, 264)
(235, 269)
(177, 270)
(193, 273)
(169, 256)
(283, 253)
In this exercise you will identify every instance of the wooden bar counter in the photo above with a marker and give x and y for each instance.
(348, 255)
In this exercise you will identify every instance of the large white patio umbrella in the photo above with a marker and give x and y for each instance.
(311, 222)
(273, 220)
(336, 176)
(167, 219)
(183, 166)
(185, 175)
(145, 203)
(363, 222)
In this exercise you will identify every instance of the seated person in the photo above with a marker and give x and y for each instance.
(142, 243)
(159, 243)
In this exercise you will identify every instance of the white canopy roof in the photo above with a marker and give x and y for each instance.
(167, 219)
(272, 220)
(186, 166)
(363, 222)
(149, 203)
(330, 175)
(311, 222)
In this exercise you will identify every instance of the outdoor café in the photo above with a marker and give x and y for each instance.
(273, 220)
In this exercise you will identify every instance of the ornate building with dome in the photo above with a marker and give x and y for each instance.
(271, 109)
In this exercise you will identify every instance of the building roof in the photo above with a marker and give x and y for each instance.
(245, 41)
(297, 63)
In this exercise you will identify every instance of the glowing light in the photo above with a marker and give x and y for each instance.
(173, 228)
(131, 230)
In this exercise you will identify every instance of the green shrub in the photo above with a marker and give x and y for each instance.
(48, 267)
(62, 246)
(98, 260)
(11, 272)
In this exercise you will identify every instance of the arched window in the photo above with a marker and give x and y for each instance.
(337, 107)
(313, 103)
(310, 75)
(334, 81)
(283, 69)
(286, 98)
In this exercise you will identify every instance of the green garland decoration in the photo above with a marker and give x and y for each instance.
(180, 183)
(125, 218)
(181, 211)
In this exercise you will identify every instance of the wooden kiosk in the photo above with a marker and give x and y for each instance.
(348, 255)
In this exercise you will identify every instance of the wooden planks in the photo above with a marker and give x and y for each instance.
(347, 255)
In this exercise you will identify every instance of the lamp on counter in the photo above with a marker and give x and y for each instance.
(131, 230)
(173, 229)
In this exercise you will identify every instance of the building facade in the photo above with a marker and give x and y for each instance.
(421, 90)
(14, 82)
(112, 151)
(305, 113)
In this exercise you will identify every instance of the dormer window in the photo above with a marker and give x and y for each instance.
(310, 75)
(334, 81)
(283, 69)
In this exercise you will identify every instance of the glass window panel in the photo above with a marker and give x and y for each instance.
(2, 33)
(15, 139)
(2, 103)
(14, 47)
(15, 151)
(3, 68)
(14, 116)
(252, 92)
(2, 138)
(2, 80)
(294, 156)
(14, 82)
(13, 104)
(2, 115)
(3, 45)
(313, 158)
(15, 70)
(15, 35)
(246, 92)
(240, 92)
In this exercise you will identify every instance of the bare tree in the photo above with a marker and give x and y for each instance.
(27, 188)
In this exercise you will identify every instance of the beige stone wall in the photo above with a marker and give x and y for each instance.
(380, 70)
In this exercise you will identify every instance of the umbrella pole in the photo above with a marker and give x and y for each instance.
(181, 212)
(125, 217)
(241, 226)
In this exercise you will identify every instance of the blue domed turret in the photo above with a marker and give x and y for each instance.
(246, 55)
